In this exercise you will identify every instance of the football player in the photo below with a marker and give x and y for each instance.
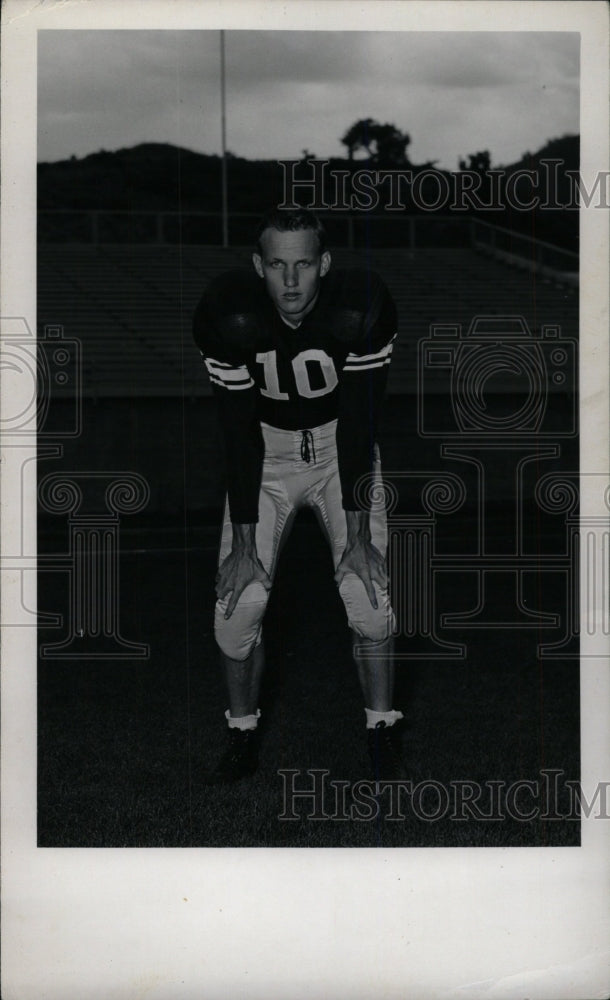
(297, 354)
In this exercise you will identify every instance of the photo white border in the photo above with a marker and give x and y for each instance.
(168, 924)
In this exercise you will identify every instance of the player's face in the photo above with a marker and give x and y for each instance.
(292, 266)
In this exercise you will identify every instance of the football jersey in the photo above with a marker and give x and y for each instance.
(332, 366)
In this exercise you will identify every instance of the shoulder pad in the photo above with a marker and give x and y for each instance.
(234, 292)
(231, 311)
(360, 304)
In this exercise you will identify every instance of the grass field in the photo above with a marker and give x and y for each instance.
(123, 745)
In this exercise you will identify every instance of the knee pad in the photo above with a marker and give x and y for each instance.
(375, 624)
(238, 635)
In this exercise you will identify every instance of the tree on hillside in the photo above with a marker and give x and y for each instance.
(481, 162)
(384, 144)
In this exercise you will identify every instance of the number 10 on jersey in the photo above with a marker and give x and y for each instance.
(300, 367)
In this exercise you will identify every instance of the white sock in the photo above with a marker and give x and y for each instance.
(243, 721)
(372, 717)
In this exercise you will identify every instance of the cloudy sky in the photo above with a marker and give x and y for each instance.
(454, 92)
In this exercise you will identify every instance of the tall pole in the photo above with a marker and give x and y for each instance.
(223, 129)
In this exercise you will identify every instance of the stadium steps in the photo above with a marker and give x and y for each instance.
(131, 307)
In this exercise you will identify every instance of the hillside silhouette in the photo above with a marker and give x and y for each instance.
(162, 177)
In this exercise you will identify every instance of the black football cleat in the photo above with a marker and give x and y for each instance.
(240, 759)
(384, 753)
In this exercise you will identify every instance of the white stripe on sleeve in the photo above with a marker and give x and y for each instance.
(361, 362)
(229, 376)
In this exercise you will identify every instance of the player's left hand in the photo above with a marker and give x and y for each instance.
(362, 558)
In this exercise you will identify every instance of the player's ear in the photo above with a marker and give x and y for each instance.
(325, 263)
(257, 260)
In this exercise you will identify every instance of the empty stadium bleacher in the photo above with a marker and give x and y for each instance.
(130, 306)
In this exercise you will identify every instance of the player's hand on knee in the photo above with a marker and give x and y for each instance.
(237, 572)
(366, 561)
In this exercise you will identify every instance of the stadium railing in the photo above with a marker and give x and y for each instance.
(351, 231)
(523, 252)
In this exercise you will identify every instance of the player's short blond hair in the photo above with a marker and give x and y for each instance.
(288, 220)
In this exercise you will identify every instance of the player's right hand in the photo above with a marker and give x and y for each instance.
(236, 572)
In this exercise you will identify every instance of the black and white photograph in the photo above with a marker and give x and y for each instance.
(336, 283)
(303, 424)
